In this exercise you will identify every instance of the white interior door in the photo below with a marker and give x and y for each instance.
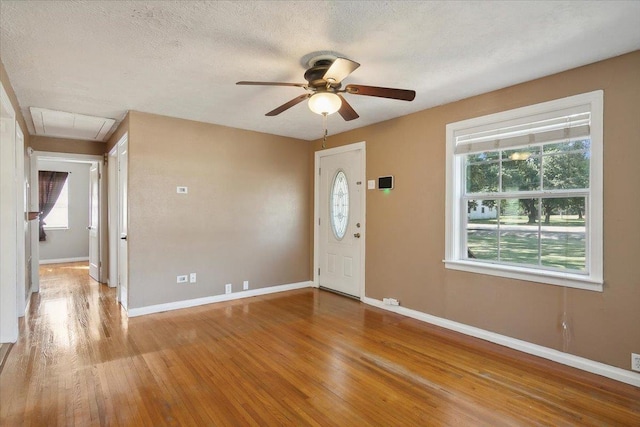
(123, 274)
(341, 224)
(94, 222)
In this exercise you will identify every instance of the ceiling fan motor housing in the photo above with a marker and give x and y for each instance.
(315, 76)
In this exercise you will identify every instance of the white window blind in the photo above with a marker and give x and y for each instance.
(562, 125)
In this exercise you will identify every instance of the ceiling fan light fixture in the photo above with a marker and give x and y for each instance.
(324, 103)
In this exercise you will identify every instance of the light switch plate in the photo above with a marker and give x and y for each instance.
(371, 184)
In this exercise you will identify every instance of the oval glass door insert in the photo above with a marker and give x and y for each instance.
(339, 206)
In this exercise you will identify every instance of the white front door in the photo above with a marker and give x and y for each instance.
(94, 218)
(341, 222)
(123, 271)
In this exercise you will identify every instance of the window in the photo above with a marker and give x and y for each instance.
(339, 205)
(59, 215)
(524, 193)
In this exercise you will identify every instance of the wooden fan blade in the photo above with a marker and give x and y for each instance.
(288, 105)
(271, 84)
(346, 111)
(339, 69)
(381, 92)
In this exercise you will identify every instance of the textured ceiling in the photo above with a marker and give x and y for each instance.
(182, 59)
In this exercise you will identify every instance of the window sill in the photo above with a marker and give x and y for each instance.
(569, 280)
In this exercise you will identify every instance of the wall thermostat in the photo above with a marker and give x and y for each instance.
(385, 182)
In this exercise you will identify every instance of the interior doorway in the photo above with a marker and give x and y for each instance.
(83, 238)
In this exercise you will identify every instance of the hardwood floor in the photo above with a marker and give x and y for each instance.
(304, 357)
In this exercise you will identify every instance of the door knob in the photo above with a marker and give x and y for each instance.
(123, 238)
(357, 235)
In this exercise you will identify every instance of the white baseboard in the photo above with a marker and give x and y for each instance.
(140, 311)
(588, 365)
(62, 260)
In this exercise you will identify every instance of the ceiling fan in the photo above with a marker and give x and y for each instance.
(324, 87)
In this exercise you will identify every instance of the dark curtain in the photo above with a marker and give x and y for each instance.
(50, 184)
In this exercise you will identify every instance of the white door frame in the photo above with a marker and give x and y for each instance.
(113, 207)
(21, 219)
(73, 158)
(34, 206)
(122, 219)
(8, 223)
(114, 218)
(316, 208)
(94, 236)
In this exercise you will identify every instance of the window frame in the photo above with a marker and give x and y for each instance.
(455, 217)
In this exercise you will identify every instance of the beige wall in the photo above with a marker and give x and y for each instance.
(246, 215)
(66, 145)
(405, 228)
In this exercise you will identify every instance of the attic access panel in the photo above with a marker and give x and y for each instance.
(70, 125)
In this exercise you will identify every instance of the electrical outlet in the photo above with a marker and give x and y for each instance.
(182, 279)
(182, 190)
(390, 301)
(635, 362)
(245, 285)
(227, 288)
(192, 278)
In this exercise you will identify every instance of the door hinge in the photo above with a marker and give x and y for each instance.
(318, 271)
(106, 158)
(319, 171)
(318, 221)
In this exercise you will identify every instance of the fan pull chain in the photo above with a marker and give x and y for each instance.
(326, 132)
